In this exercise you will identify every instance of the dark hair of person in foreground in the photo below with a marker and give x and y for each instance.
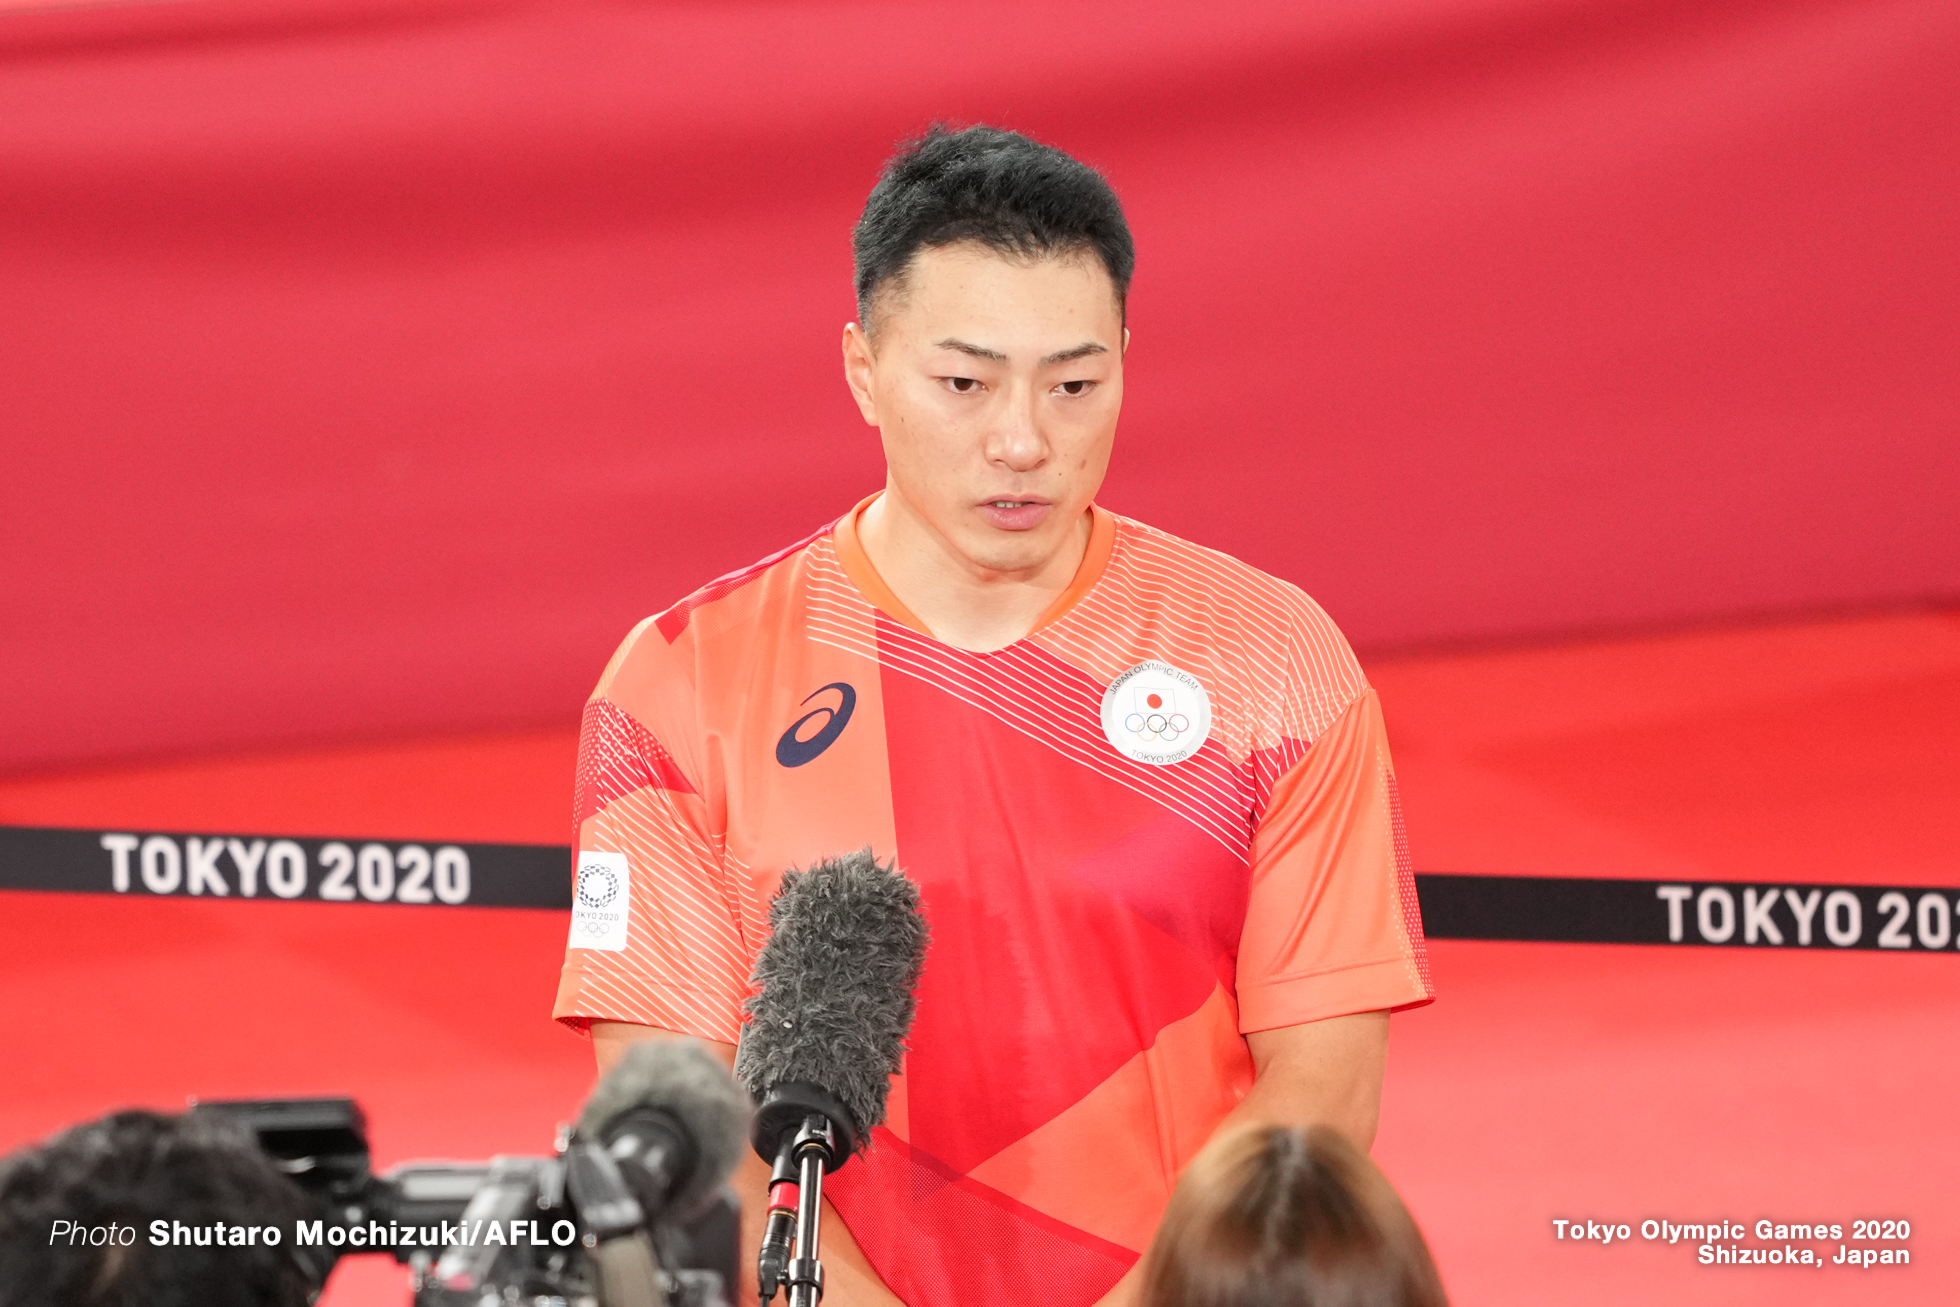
(995, 188)
(131, 1168)
(1276, 1217)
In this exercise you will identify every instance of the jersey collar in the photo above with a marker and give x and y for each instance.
(857, 566)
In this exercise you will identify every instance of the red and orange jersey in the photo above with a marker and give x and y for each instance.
(1164, 819)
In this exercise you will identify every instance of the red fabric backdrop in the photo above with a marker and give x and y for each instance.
(369, 368)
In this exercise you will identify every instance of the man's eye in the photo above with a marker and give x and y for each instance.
(1075, 387)
(961, 385)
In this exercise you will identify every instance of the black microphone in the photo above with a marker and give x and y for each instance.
(672, 1118)
(825, 1033)
(659, 1135)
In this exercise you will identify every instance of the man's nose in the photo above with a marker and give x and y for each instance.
(1014, 439)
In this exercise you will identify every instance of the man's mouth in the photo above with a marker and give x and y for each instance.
(1015, 514)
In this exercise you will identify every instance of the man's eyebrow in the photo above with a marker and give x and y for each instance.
(1082, 351)
(978, 351)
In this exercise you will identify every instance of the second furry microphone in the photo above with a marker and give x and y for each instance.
(834, 985)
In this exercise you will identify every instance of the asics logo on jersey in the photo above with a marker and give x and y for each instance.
(797, 747)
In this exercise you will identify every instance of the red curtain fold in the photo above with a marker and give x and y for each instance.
(369, 368)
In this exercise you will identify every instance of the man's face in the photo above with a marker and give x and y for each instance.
(995, 384)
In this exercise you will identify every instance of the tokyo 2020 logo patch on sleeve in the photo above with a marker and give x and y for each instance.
(601, 901)
(1156, 713)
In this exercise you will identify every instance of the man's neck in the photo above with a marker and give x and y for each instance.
(962, 604)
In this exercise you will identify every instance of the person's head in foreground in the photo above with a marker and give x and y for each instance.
(1272, 1216)
(76, 1213)
(992, 273)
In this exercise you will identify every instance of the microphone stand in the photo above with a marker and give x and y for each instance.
(815, 1151)
(804, 1132)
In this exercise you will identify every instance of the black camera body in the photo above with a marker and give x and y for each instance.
(537, 1229)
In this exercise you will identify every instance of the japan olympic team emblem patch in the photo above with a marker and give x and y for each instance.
(1156, 713)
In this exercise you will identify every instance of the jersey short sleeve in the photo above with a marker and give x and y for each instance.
(1331, 924)
(680, 963)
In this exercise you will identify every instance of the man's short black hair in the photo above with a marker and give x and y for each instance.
(131, 1168)
(995, 187)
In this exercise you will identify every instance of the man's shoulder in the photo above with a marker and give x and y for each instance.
(735, 605)
(1183, 576)
(745, 587)
(1276, 658)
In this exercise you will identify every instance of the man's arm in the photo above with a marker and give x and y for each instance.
(849, 1280)
(1321, 1073)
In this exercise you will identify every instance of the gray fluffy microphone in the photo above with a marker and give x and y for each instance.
(834, 989)
(670, 1110)
(826, 1031)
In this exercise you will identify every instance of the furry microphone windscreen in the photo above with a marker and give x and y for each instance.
(680, 1077)
(834, 984)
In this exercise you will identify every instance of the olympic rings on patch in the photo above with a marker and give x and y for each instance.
(1151, 727)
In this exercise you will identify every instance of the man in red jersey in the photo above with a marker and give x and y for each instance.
(1143, 788)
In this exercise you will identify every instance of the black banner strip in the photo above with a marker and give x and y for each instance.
(294, 867)
(1567, 910)
(1703, 914)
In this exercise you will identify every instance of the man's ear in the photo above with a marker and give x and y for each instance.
(1126, 340)
(859, 365)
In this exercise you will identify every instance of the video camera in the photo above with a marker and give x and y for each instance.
(576, 1229)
